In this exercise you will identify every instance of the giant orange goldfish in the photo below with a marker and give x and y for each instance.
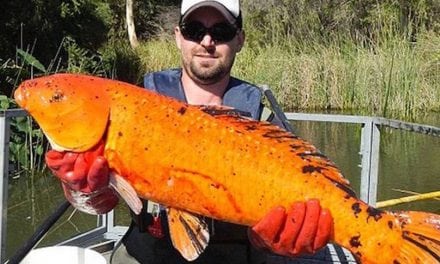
(221, 166)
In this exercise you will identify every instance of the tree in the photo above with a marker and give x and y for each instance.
(130, 25)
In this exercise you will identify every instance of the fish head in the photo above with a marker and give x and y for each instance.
(71, 109)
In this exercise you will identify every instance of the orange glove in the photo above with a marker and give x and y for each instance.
(85, 178)
(304, 229)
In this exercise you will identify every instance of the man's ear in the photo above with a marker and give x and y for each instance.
(177, 37)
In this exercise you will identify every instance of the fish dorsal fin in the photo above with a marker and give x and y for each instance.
(189, 233)
(317, 162)
(220, 110)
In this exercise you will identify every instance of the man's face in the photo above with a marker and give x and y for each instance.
(208, 61)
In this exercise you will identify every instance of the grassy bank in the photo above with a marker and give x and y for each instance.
(380, 58)
(372, 57)
(395, 79)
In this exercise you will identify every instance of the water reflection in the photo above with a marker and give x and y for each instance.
(32, 198)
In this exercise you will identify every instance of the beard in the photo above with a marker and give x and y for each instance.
(205, 73)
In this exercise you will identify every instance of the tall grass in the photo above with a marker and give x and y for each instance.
(383, 72)
(398, 78)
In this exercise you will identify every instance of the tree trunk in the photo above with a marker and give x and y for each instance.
(130, 25)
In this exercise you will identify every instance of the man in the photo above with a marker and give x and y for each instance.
(209, 36)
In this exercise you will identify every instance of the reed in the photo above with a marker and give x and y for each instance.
(158, 54)
(396, 79)
(322, 56)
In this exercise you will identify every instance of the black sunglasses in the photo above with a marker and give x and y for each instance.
(196, 31)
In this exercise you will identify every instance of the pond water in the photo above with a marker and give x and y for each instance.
(408, 161)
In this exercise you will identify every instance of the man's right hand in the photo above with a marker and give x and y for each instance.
(85, 179)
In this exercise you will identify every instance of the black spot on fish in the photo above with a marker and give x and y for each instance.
(403, 224)
(120, 134)
(274, 134)
(356, 209)
(390, 224)
(292, 146)
(251, 127)
(375, 213)
(182, 110)
(57, 96)
(396, 262)
(355, 242)
(311, 169)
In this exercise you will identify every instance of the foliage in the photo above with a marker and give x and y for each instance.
(366, 21)
(82, 60)
(146, 18)
(26, 141)
(31, 60)
(122, 60)
(39, 26)
(396, 78)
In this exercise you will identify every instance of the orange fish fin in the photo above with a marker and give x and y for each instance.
(218, 110)
(421, 231)
(126, 191)
(189, 233)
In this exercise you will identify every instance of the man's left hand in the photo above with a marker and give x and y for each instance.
(303, 229)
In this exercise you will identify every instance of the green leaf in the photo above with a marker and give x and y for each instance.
(39, 150)
(4, 102)
(31, 60)
(37, 133)
(22, 125)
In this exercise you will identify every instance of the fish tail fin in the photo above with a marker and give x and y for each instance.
(421, 231)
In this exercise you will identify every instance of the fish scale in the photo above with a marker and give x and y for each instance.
(222, 166)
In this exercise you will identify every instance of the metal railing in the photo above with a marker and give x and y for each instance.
(5, 118)
(369, 151)
(370, 143)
